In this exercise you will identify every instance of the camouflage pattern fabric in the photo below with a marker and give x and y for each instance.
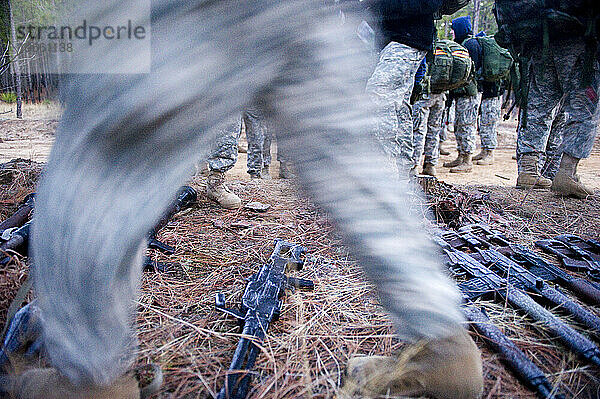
(448, 120)
(427, 127)
(225, 149)
(390, 87)
(259, 141)
(420, 114)
(488, 123)
(465, 126)
(553, 155)
(556, 78)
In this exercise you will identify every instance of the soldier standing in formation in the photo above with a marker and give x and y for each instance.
(467, 101)
(259, 144)
(223, 158)
(563, 74)
(428, 113)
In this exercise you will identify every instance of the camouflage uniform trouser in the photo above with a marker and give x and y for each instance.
(491, 109)
(390, 87)
(465, 126)
(259, 141)
(558, 79)
(553, 155)
(225, 149)
(427, 127)
(448, 120)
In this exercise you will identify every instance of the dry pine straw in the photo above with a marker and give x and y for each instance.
(305, 352)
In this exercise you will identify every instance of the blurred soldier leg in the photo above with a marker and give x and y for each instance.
(258, 140)
(490, 116)
(420, 115)
(464, 129)
(222, 158)
(390, 86)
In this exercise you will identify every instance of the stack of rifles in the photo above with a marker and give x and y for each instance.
(483, 261)
(487, 265)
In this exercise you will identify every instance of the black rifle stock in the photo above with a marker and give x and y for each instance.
(186, 197)
(260, 306)
(21, 215)
(516, 360)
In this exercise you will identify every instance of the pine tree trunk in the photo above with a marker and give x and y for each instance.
(476, 12)
(15, 61)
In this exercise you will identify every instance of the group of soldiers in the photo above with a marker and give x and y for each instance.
(557, 106)
(557, 124)
(476, 105)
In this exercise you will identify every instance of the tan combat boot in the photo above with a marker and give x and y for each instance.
(429, 169)
(487, 157)
(456, 162)
(217, 191)
(465, 167)
(566, 182)
(529, 176)
(480, 155)
(446, 368)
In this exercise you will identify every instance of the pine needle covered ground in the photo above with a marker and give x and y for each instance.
(305, 352)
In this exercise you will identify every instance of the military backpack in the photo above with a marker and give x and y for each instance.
(451, 68)
(525, 22)
(496, 60)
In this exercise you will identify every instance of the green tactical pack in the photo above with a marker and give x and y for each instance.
(452, 66)
(496, 60)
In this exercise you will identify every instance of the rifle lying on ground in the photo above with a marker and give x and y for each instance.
(536, 265)
(19, 242)
(260, 306)
(186, 196)
(17, 238)
(517, 361)
(519, 277)
(590, 248)
(21, 215)
(571, 255)
(483, 281)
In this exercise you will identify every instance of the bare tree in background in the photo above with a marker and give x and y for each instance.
(476, 12)
(15, 62)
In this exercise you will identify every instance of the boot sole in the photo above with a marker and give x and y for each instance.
(534, 187)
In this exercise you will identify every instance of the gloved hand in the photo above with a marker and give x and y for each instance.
(448, 368)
